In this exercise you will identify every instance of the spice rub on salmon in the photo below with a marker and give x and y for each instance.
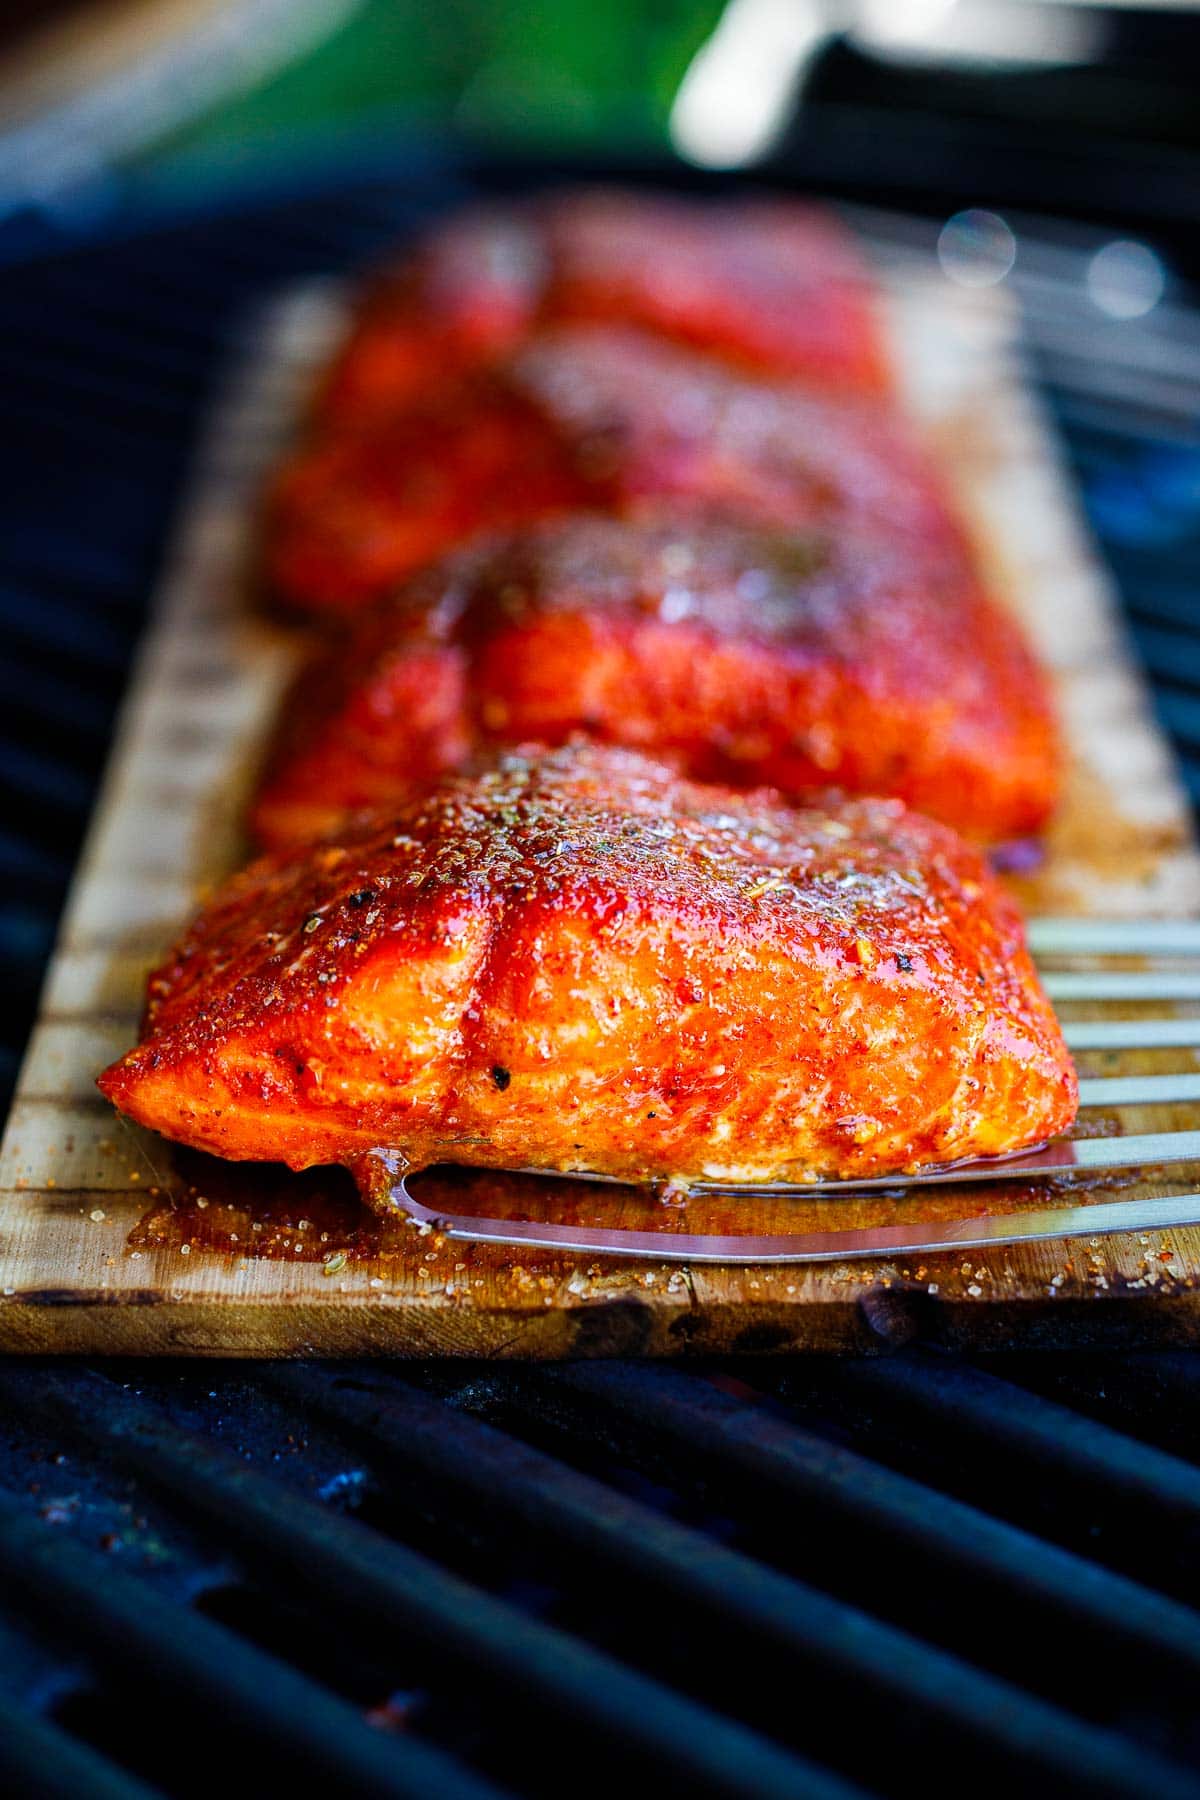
(578, 960)
(802, 660)
(771, 285)
(587, 417)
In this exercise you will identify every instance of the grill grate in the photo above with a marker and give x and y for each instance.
(808, 1578)
(486, 1580)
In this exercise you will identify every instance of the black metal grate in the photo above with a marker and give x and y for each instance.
(807, 1579)
(803, 1578)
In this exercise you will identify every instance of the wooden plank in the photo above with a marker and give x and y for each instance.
(110, 1242)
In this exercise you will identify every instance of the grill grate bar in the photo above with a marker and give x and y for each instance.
(1060, 1465)
(1113, 937)
(1125, 1034)
(1154, 1395)
(908, 1527)
(1138, 1090)
(227, 1683)
(911, 1688)
(385, 1584)
(1120, 984)
(38, 1762)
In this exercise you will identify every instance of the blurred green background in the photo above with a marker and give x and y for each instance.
(521, 72)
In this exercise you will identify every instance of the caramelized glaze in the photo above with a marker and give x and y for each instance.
(748, 656)
(589, 416)
(774, 286)
(581, 961)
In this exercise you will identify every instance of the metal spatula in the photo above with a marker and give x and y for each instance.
(1161, 944)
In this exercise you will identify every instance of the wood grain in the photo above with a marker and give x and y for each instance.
(109, 1242)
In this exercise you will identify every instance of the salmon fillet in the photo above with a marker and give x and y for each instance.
(587, 416)
(747, 656)
(770, 285)
(581, 961)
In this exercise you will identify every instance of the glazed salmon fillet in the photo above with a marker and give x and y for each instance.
(587, 416)
(578, 960)
(745, 656)
(774, 286)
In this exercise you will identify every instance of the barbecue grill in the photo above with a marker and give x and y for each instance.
(802, 1578)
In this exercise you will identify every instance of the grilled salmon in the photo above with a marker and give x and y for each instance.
(799, 660)
(579, 960)
(595, 417)
(774, 286)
